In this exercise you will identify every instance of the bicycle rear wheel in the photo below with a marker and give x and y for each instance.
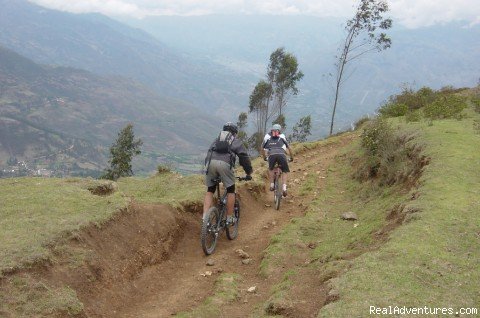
(210, 228)
(232, 231)
(277, 193)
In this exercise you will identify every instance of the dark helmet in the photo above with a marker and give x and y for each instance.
(231, 127)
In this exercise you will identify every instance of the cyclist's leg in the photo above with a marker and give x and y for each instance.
(211, 187)
(271, 175)
(285, 171)
(228, 178)
(230, 201)
(208, 200)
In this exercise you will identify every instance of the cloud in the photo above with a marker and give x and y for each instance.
(410, 13)
(415, 14)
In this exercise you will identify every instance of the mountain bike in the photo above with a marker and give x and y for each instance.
(215, 220)
(277, 190)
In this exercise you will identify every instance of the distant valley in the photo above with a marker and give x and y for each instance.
(63, 119)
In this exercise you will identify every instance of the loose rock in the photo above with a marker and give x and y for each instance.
(349, 216)
(242, 254)
(246, 261)
(210, 262)
(252, 289)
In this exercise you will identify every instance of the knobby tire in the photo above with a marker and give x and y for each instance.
(277, 194)
(209, 227)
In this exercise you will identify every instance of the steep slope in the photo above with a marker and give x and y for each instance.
(45, 110)
(98, 44)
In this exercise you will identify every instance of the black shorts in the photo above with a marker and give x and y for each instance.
(281, 160)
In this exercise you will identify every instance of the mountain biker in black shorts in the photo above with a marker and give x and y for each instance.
(275, 146)
(220, 163)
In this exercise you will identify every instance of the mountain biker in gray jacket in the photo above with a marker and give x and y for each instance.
(221, 164)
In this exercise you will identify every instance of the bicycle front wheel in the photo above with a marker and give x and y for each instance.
(232, 231)
(210, 231)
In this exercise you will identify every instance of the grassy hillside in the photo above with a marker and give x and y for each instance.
(433, 258)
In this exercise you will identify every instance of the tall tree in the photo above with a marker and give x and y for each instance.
(363, 35)
(269, 97)
(122, 153)
(242, 124)
(260, 105)
(283, 75)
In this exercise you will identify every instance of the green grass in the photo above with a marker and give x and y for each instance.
(36, 212)
(31, 298)
(167, 188)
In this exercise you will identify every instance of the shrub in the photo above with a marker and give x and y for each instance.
(361, 121)
(390, 157)
(414, 100)
(393, 110)
(413, 116)
(476, 104)
(447, 106)
(374, 134)
(164, 168)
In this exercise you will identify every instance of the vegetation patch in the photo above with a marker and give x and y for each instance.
(105, 188)
(31, 298)
(427, 103)
(277, 304)
(389, 156)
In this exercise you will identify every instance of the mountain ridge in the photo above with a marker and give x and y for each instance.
(59, 106)
(104, 46)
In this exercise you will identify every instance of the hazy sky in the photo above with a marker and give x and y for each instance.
(410, 13)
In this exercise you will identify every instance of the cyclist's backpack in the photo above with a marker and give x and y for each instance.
(222, 144)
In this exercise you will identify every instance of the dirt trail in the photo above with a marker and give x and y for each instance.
(177, 285)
